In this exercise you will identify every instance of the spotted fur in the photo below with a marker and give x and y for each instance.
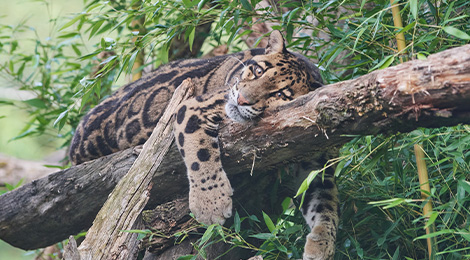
(240, 86)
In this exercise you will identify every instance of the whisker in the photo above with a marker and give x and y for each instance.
(241, 62)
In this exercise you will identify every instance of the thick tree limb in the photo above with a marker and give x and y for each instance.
(430, 93)
(420, 93)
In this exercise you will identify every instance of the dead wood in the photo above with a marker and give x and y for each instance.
(106, 239)
(422, 93)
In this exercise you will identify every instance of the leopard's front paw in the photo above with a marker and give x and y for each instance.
(210, 200)
(320, 244)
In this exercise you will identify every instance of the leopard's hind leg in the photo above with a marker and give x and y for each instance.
(321, 212)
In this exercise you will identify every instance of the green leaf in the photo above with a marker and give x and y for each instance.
(220, 231)
(201, 5)
(450, 9)
(25, 133)
(189, 3)
(14, 45)
(465, 185)
(396, 254)
(279, 246)
(71, 22)
(96, 26)
(36, 102)
(263, 236)
(292, 14)
(363, 2)
(207, 234)
(432, 219)
(286, 203)
(421, 56)
(414, 8)
(465, 235)
(306, 183)
(76, 50)
(12, 187)
(191, 38)
(6, 102)
(340, 167)
(246, 5)
(433, 10)
(384, 63)
(358, 37)
(61, 119)
(237, 222)
(390, 203)
(269, 222)
(456, 32)
(131, 61)
(435, 234)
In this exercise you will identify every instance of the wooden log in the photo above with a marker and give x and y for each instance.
(106, 239)
(51, 207)
(421, 93)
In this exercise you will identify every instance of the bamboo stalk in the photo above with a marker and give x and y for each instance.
(419, 154)
(137, 27)
(401, 44)
(427, 209)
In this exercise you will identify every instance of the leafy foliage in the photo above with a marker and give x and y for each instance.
(380, 187)
(348, 39)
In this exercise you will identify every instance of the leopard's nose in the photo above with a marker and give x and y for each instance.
(241, 100)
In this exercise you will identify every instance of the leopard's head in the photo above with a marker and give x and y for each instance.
(269, 80)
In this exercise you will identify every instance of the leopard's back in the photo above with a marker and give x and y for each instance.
(127, 117)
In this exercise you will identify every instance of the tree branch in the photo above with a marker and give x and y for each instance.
(421, 93)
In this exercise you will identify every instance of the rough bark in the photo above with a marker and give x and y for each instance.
(430, 93)
(106, 239)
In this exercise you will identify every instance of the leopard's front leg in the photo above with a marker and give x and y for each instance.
(196, 132)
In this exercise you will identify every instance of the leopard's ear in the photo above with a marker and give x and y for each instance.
(275, 43)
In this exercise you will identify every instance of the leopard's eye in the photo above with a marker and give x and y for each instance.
(258, 71)
(279, 94)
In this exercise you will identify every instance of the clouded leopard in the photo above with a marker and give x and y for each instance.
(239, 86)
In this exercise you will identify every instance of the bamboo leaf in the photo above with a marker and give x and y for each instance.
(456, 32)
(432, 219)
(306, 183)
(465, 185)
(414, 8)
(435, 234)
(207, 234)
(95, 28)
(269, 223)
(71, 22)
(61, 119)
(191, 38)
(237, 222)
(263, 236)
(384, 63)
(201, 5)
(246, 5)
(36, 102)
